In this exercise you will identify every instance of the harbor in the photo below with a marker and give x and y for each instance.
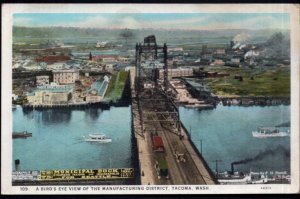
(161, 146)
(125, 118)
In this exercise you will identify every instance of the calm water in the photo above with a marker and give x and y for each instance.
(57, 138)
(57, 141)
(226, 134)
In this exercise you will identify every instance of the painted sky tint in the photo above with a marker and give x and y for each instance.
(196, 21)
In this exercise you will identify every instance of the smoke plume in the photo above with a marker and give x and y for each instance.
(264, 154)
(277, 46)
(241, 37)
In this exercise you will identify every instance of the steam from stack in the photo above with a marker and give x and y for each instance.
(238, 41)
(277, 46)
(262, 155)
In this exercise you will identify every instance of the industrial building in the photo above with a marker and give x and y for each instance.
(42, 80)
(65, 76)
(97, 91)
(178, 72)
(50, 95)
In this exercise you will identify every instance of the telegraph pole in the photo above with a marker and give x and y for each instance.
(217, 173)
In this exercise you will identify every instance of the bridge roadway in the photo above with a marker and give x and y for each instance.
(191, 171)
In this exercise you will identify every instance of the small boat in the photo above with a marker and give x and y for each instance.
(265, 132)
(97, 137)
(23, 134)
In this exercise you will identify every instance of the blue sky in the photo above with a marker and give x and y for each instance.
(152, 20)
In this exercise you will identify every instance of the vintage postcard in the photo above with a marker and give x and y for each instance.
(150, 99)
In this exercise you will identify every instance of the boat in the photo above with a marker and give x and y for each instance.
(97, 137)
(235, 178)
(241, 178)
(23, 134)
(265, 132)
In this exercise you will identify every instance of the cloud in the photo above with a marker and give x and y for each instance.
(129, 22)
(191, 23)
(260, 22)
(197, 23)
(90, 22)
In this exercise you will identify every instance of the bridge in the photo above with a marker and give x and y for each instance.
(165, 151)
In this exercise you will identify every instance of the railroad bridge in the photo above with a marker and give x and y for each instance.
(166, 153)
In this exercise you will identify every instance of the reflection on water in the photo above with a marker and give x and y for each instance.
(57, 138)
(50, 116)
(93, 113)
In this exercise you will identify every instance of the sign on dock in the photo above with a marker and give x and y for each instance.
(75, 174)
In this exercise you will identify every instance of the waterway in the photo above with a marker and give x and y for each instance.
(226, 134)
(57, 138)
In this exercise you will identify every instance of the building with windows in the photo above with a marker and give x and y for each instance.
(42, 80)
(65, 76)
(50, 95)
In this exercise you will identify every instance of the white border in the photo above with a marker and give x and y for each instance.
(6, 81)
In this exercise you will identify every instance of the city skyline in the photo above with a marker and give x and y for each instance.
(184, 21)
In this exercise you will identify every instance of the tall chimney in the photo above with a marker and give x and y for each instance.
(232, 168)
(17, 164)
(231, 44)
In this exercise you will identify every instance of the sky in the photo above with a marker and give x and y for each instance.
(186, 21)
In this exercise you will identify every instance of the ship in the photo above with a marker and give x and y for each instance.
(97, 137)
(242, 178)
(265, 132)
(268, 177)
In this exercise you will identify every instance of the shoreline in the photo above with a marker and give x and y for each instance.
(254, 101)
(103, 105)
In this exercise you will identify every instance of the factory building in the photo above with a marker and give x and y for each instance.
(52, 94)
(42, 80)
(97, 91)
(65, 76)
(178, 72)
(105, 58)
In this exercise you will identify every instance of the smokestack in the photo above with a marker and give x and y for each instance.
(17, 164)
(231, 44)
(232, 168)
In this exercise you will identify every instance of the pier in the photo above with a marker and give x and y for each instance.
(155, 115)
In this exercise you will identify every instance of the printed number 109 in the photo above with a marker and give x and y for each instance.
(24, 188)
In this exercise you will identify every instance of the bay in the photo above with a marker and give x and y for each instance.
(57, 138)
(226, 134)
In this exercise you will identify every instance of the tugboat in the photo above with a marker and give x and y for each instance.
(265, 132)
(97, 137)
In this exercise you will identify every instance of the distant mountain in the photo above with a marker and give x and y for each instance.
(135, 35)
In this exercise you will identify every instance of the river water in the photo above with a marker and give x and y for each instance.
(57, 141)
(226, 134)
(57, 138)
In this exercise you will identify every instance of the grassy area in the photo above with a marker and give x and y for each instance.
(275, 83)
(116, 85)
